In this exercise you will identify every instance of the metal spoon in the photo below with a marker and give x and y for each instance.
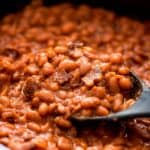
(141, 108)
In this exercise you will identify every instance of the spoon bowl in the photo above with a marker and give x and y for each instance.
(141, 108)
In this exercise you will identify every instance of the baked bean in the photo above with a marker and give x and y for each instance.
(99, 91)
(118, 101)
(125, 83)
(112, 147)
(105, 103)
(45, 127)
(102, 111)
(54, 86)
(47, 69)
(68, 65)
(79, 148)
(62, 94)
(50, 52)
(45, 95)
(90, 102)
(34, 127)
(1, 108)
(43, 109)
(33, 115)
(32, 69)
(85, 66)
(4, 132)
(86, 112)
(61, 109)
(128, 103)
(52, 107)
(123, 70)
(116, 58)
(35, 102)
(26, 146)
(113, 84)
(76, 53)
(64, 144)
(9, 116)
(70, 94)
(62, 122)
(4, 101)
(94, 148)
(42, 59)
(40, 143)
(60, 49)
(68, 27)
(104, 67)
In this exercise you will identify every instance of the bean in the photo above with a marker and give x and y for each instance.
(70, 94)
(99, 91)
(25, 146)
(62, 94)
(129, 103)
(45, 95)
(114, 68)
(90, 102)
(94, 147)
(1, 108)
(104, 67)
(47, 69)
(62, 122)
(61, 49)
(118, 101)
(125, 83)
(68, 27)
(33, 115)
(112, 147)
(45, 127)
(68, 65)
(4, 133)
(35, 102)
(64, 144)
(52, 107)
(61, 109)
(50, 52)
(85, 67)
(33, 126)
(43, 109)
(116, 58)
(106, 103)
(32, 69)
(40, 143)
(42, 59)
(79, 148)
(123, 70)
(54, 86)
(113, 84)
(9, 116)
(102, 111)
(86, 112)
(4, 101)
(118, 141)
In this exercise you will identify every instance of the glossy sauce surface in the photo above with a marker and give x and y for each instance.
(54, 63)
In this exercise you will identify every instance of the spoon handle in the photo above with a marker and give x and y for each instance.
(141, 108)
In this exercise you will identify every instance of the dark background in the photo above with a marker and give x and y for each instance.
(139, 9)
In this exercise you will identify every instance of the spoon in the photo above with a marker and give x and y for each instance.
(141, 108)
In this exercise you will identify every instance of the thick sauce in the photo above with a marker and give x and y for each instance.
(55, 63)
